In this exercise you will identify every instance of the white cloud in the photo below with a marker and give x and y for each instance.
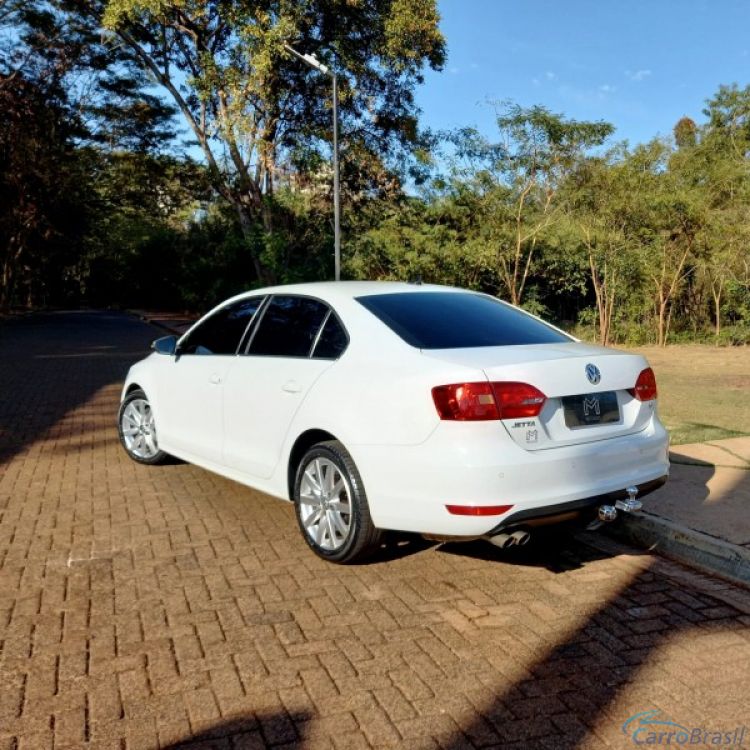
(550, 76)
(607, 88)
(638, 75)
(454, 70)
(536, 82)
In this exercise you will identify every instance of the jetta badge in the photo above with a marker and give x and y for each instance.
(593, 374)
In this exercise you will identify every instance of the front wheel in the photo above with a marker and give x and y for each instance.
(331, 505)
(137, 429)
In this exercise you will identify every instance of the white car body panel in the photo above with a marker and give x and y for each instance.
(261, 397)
(376, 399)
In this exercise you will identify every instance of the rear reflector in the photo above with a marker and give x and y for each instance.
(478, 510)
(645, 386)
(467, 402)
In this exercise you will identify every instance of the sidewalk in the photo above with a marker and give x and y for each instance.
(702, 515)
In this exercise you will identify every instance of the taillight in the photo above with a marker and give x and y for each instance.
(466, 402)
(516, 400)
(645, 386)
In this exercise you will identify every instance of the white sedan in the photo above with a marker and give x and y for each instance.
(385, 405)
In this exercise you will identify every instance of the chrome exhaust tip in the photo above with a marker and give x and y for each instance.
(502, 540)
(607, 513)
(520, 537)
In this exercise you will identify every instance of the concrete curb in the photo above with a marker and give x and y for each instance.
(156, 322)
(686, 545)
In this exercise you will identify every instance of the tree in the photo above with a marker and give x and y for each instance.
(41, 190)
(722, 154)
(249, 104)
(598, 200)
(520, 177)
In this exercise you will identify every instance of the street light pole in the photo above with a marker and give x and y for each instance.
(313, 62)
(336, 191)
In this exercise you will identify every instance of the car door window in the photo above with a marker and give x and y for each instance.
(221, 332)
(332, 340)
(288, 327)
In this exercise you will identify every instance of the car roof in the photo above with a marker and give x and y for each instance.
(332, 291)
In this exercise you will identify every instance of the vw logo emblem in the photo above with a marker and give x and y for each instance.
(593, 374)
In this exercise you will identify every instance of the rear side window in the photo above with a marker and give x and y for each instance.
(333, 340)
(221, 332)
(458, 320)
(288, 327)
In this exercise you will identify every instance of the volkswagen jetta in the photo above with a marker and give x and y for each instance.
(384, 405)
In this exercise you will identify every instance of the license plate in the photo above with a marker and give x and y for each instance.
(590, 409)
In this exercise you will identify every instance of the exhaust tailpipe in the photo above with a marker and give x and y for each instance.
(520, 537)
(502, 540)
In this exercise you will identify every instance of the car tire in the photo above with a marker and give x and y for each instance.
(331, 505)
(137, 430)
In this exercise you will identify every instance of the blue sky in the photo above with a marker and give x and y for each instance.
(639, 65)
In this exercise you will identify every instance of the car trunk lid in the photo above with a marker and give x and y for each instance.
(588, 390)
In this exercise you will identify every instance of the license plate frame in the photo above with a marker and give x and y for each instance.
(591, 409)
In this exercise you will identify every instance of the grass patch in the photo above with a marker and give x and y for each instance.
(691, 432)
(704, 391)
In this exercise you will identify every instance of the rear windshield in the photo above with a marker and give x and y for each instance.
(458, 320)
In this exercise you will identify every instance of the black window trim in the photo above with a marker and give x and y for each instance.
(216, 311)
(319, 333)
(262, 311)
(257, 315)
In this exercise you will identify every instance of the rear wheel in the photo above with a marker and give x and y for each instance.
(331, 505)
(138, 430)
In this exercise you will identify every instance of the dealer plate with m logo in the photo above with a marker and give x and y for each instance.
(587, 409)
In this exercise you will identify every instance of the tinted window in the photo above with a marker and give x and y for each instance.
(288, 327)
(221, 333)
(455, 320)
(333, 340)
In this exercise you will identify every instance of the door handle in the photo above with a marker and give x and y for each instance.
(215, 379)
(291, 386)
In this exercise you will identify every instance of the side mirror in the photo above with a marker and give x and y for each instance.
(165, 345)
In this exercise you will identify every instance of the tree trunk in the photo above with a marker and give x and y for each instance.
(661, 326)
(717, 313)
(247, 226)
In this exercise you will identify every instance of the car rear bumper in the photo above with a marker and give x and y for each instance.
(477, 464)
(560, 512)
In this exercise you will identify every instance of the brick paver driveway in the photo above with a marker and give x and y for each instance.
(144, 607)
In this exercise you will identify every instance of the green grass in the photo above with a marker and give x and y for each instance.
(704, 391)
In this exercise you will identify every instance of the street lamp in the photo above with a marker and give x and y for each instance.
(313, 62)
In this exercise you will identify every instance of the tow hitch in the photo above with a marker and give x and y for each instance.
(608, 513)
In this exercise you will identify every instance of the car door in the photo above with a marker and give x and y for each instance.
(190, 385)
(268, 382)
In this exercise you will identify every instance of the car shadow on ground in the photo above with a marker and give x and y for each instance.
(556, 550)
